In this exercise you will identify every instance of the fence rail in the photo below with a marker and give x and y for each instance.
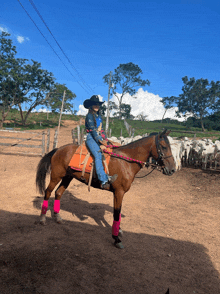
(7, 150)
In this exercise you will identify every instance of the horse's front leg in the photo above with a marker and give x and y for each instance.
(116, 230)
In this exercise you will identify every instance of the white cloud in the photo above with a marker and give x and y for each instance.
(20, 39)
(148, 104)
(40, 110)
(82, 110)
(2, 29)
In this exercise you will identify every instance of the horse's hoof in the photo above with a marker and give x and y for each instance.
(119, 245)
(58, 219)
(120, 234)
(43, 219)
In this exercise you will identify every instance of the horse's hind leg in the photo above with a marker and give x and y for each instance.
(53, 182)
(58, 194)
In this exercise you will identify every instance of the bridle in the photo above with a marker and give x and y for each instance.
(161, 156)
(159, 161)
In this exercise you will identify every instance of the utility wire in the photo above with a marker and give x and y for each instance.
(37, 11)
(52, 47)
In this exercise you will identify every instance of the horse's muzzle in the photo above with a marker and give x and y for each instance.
(168, 172)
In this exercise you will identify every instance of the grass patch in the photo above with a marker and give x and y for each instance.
(41, 120)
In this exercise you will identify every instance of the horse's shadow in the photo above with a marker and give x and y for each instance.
(80, 208)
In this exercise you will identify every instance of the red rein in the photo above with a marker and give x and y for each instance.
(121, 156)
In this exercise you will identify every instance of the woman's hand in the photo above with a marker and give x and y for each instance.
(103, 142)
(102, 147)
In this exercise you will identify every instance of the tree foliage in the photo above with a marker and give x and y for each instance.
(198, 98)
(36, 86)
(10, 79)
(55, 97)
(125, 111)
(141, 116)
(125, 79)
(23, 81)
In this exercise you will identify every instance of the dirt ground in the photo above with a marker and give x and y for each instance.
(171, 234)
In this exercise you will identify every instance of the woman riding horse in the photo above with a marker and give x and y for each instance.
(126, 161)
(96, 139)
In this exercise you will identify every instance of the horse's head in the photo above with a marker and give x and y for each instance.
(161, 152)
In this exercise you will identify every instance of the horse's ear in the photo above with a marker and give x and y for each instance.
(168, 132)
(163, 133)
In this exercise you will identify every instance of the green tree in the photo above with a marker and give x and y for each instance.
(102, 109)
(198, 98)
(36, 86)
(168, 104)
(54, 101)
(141, 116)
(21, 81)
(10, 78)
(125, 111)
(125, 79)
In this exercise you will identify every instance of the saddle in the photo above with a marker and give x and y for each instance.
(83, 161)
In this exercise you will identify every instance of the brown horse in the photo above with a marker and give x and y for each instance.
(56, 162)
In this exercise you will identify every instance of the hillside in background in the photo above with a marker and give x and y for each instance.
(40, 120)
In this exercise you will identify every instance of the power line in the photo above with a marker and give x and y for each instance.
(37, 11)
(52, 47)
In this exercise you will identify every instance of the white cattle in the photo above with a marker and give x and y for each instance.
(194, 151)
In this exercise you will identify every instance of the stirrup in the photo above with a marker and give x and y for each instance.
(105, 186)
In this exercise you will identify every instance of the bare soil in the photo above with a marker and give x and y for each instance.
(171, 234)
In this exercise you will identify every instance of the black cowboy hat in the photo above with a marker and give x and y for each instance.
(94, 100)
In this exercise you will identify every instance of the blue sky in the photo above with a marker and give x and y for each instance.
(167, 40)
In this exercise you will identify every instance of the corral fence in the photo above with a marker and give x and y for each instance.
(209, 161)
(15, 142)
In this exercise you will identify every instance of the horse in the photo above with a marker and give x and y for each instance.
(126, 163)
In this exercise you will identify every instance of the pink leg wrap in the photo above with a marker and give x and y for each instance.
(116, 227)
(44, 207)
(56, 206)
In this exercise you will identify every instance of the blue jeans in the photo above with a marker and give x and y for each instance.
(97, 154)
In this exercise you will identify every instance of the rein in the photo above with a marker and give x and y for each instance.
(147, 164)
(161, 157)
(123, 157)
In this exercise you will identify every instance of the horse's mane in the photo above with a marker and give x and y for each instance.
(136, 142)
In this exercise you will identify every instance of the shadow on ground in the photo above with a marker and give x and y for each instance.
(80, 258)
(80, 208)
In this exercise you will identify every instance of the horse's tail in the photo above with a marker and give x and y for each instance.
(42, 169)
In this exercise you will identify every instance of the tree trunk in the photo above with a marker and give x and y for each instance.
(27, 114)
(4, 114)
(202, 125)
(21, 114)
(164, 114)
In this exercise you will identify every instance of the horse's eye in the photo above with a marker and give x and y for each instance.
(164, 148)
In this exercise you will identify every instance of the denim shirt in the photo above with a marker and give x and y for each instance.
(90, 127)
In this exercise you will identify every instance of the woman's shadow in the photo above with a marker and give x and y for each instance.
(80, 208)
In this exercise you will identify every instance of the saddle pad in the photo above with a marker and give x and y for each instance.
(77, 160)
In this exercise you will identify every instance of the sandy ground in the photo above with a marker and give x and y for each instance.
(171, 234)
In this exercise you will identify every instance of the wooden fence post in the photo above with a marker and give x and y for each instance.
(82, 136)
(55, 139)
(74, 136)
(43, 143)
(78, 134)
(48, 140)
